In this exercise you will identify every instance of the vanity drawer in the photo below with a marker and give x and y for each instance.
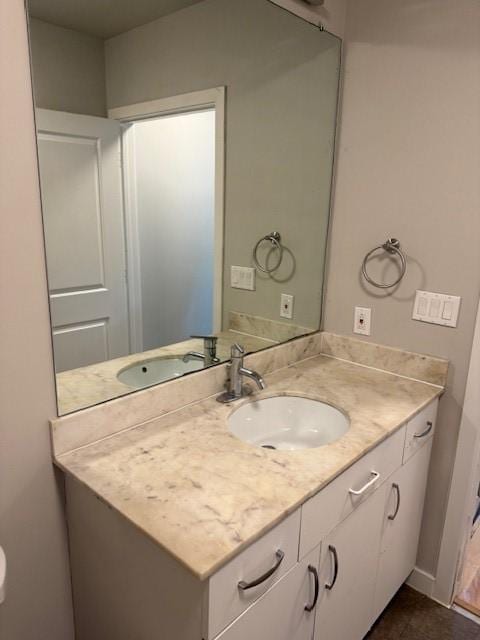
(227, 600)
(336, 501)
(420, 429)
(280, 614)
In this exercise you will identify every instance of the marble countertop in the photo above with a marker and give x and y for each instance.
(87, 386)
(204, 495)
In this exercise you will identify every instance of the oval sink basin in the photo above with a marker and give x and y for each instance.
(148, 372)
(288, 423)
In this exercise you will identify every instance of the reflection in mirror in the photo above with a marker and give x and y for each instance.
(185, 157)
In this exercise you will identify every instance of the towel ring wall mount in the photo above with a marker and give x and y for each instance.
(391, 246)
(275, 240)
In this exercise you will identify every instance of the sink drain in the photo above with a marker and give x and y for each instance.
(268, 446)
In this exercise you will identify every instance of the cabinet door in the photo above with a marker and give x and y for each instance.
(401, 525)
(280, 613)
(347, 573)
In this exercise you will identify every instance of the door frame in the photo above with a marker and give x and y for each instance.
(463, 488)
(186, 102)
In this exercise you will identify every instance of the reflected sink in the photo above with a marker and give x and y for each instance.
(148, 372)
(288, 423)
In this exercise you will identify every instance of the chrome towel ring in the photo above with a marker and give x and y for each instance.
(392, 246)
(276, 241)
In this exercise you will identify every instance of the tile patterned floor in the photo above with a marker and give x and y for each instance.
(413, 616)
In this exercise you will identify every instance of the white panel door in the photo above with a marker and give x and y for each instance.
(348, 565)
(81, 184)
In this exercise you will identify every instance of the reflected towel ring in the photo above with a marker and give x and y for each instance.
(275, 239)
(392, 246)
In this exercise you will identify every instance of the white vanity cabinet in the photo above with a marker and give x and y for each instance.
(348, 570)
(402, 519)
(369, 555)
(343, 554)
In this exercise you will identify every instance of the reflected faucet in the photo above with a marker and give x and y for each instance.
(235, 389)
(209, 355)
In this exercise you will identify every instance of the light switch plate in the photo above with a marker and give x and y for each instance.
(436, 308)
(242, 278)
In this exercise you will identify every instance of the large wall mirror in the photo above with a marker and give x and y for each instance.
(185, 157)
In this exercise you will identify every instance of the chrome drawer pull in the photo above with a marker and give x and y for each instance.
(370, 483)
(314, 572)
(254, 583)
(397, 489)
(426, 432)
(333, 551)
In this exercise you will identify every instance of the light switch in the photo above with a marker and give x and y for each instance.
(436, 308)
(422, 305)
(447, 310)
(242, 278)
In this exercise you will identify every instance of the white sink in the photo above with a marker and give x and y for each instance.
(288, 423)
(148, 372)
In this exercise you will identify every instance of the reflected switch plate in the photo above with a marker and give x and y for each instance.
(436, 308)
(242, 278)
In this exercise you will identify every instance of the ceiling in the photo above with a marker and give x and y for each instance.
(103, 18)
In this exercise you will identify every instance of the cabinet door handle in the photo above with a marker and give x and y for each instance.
(254, 583)
(426, 432)
(333, 551)
(397, 490)
(314, 572)
(374, 479)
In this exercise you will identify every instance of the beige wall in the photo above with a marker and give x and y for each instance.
(281, 105)
(409, 167)
(68, 69)
(32, 527)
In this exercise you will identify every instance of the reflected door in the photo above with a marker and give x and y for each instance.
(81, 184)
(172, 171)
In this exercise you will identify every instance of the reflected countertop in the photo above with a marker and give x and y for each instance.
(87, 386)
(203, 495)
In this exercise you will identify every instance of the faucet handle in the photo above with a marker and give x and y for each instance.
(236, 350)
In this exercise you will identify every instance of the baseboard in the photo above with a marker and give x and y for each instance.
(421, 581)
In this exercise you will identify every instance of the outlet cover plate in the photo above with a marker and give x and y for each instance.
(286, 306)
(362, 321)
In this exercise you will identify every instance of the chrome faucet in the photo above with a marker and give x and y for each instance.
(209, 355)
(235, 389)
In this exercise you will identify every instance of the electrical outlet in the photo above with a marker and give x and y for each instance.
(362, 321)
(286, 306)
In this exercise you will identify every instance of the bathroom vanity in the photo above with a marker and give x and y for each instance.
(186, 208)
(179, 529)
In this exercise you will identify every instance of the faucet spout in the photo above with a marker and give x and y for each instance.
(193, 355)
(253, 375)
(237, 371)
(209, 355)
